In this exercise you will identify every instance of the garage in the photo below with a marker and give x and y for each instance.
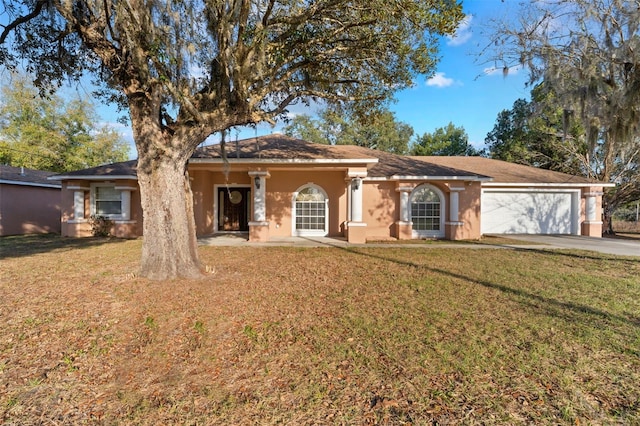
(530, 211)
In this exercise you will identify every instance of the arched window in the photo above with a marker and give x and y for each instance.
(427, 211)
(310, 211)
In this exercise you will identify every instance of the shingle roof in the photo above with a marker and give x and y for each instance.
(381, 164)
(21, 175)
(125, 168)
(281, 147)
(505, 172)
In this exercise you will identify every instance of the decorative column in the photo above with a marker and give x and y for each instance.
(259, 226)
(356, 228)
(590, 207)
(404, 225)
(591, 226)
(78, 205)
(454, 227)
(77, 224)
(78, 202)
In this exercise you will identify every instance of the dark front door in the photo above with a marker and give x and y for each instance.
(234, 206)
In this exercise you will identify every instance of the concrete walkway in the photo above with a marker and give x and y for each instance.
(538, 242)
(241, 239)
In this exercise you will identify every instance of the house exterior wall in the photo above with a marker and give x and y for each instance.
(588, 209)
(381, 201)
(591, 226)
(468, 227)
(73, 226)
(281, 185)
(26, 209)
(380, 209)
(203, 185)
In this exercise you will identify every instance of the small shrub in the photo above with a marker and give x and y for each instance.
(100, 226)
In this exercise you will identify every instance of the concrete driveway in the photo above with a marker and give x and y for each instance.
(603, 245)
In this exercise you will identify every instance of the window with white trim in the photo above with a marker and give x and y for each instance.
(310, 211)
(106, 201)
(427, 211)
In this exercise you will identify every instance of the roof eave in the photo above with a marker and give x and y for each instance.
(548, 184)
(421, 178)
(24, 183)
(287, 161)
(94, 177)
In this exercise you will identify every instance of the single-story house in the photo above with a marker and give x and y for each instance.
(277, 186)
(29, 201)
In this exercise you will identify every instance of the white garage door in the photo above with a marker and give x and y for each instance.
(529, 212)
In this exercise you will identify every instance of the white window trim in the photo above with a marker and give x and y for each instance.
(428, 234)
(92, 203)
(307, 232)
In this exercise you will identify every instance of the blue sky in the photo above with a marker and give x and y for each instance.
(464, 90)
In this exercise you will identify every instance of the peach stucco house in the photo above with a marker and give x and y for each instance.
(29, 202)
(277, 186)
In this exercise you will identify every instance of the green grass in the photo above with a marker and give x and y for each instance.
(320, 336)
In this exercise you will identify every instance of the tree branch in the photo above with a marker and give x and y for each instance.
(21, 20)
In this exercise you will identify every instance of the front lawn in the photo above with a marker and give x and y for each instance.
(317, 336)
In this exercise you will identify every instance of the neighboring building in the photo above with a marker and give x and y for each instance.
(29, 202)
(279, 186)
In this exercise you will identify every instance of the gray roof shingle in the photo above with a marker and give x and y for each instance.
(381, 164)
(505, 172)
(23, 175)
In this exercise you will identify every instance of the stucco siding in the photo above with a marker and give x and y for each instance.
(29, 209)
(469, 212)
(202, 188)
(73, 226)
(281, 185)
(380, 209)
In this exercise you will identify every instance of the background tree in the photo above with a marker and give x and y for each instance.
(537, 134)
(587, 54)
(305, 127)
(188, 69)
(50, 134)
(375, 129)
(445, 141)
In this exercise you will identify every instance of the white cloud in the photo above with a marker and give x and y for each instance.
(439, 80)
(463, 32)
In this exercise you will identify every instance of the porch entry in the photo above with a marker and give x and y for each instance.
(233, 209)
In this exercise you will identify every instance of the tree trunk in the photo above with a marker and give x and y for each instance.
(607, 216)
(169, 248)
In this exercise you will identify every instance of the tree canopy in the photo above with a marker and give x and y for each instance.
(53, 134)
(444, 141)
(588, 56)
(376, 130)
(537, 133)
(188, 69)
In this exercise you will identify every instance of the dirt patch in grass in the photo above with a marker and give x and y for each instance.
(320, 336)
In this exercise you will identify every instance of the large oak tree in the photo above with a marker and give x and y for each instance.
(587, 54)
(186, 69)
